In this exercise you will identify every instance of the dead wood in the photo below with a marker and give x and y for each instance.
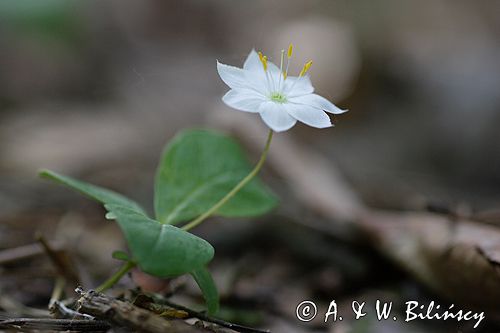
(124, 314)
(8, 256)
(54, 324)
(161, 305)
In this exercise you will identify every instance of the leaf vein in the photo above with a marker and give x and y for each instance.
(197, 191)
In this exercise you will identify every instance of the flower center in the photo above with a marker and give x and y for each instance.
(278, 97)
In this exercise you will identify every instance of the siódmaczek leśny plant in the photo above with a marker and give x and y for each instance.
(197, 171)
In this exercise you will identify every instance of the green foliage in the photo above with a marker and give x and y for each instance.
(207, 285)
(196, 170)
(161, 249)
(120, 255)
(57, 20)
(97, 193)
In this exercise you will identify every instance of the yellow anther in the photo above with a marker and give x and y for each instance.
(306, 67)
(263, 60)
(290, 51)
(284, 75)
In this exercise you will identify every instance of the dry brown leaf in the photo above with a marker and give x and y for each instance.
(457, 259)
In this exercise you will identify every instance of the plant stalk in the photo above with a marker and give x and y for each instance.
(116, 277)
(235, 190)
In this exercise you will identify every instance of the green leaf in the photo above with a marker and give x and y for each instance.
(207, 285)
(161, 249)
(120, 255)
(97, 193)
(196, 170)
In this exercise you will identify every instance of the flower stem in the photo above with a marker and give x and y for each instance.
(235, 189)
(116, 277)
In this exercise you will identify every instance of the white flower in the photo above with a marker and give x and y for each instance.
(261, 87)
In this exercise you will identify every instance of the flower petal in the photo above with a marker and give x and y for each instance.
(243, 100)
(234, 77)
(252, 63)
(257, 81)
(276, 117)
(316, 101)
(273, 70)
(275, 77)
(257, 76)
(308, 115)
(298, 86)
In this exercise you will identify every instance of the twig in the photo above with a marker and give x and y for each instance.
(22, 252)
(122, 313)
(13, 307)
(55, 324)
(59, 309)
(57, 292)
(204, 317)
(63, 268)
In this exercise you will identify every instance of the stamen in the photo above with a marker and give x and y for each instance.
(263, 60)
(304, 70)
(309, 64)
(281, 68)
(306, 67)
(288, 59)
(282, 58)
(278, 97)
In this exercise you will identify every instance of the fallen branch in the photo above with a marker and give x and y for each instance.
(55, 324)
(125, 314)
(8, 256)
(60, 260)
(158, 306)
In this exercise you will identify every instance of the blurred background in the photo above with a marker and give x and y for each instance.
(94, 89)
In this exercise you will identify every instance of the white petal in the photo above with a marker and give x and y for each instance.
(257, 76)
(274, 75)
(316, 101)
(297, 86)
(252, 63)
(308, 115)
(276, 117)
(243, 100)
(257, 81)
(273, 70)
(234, 77)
